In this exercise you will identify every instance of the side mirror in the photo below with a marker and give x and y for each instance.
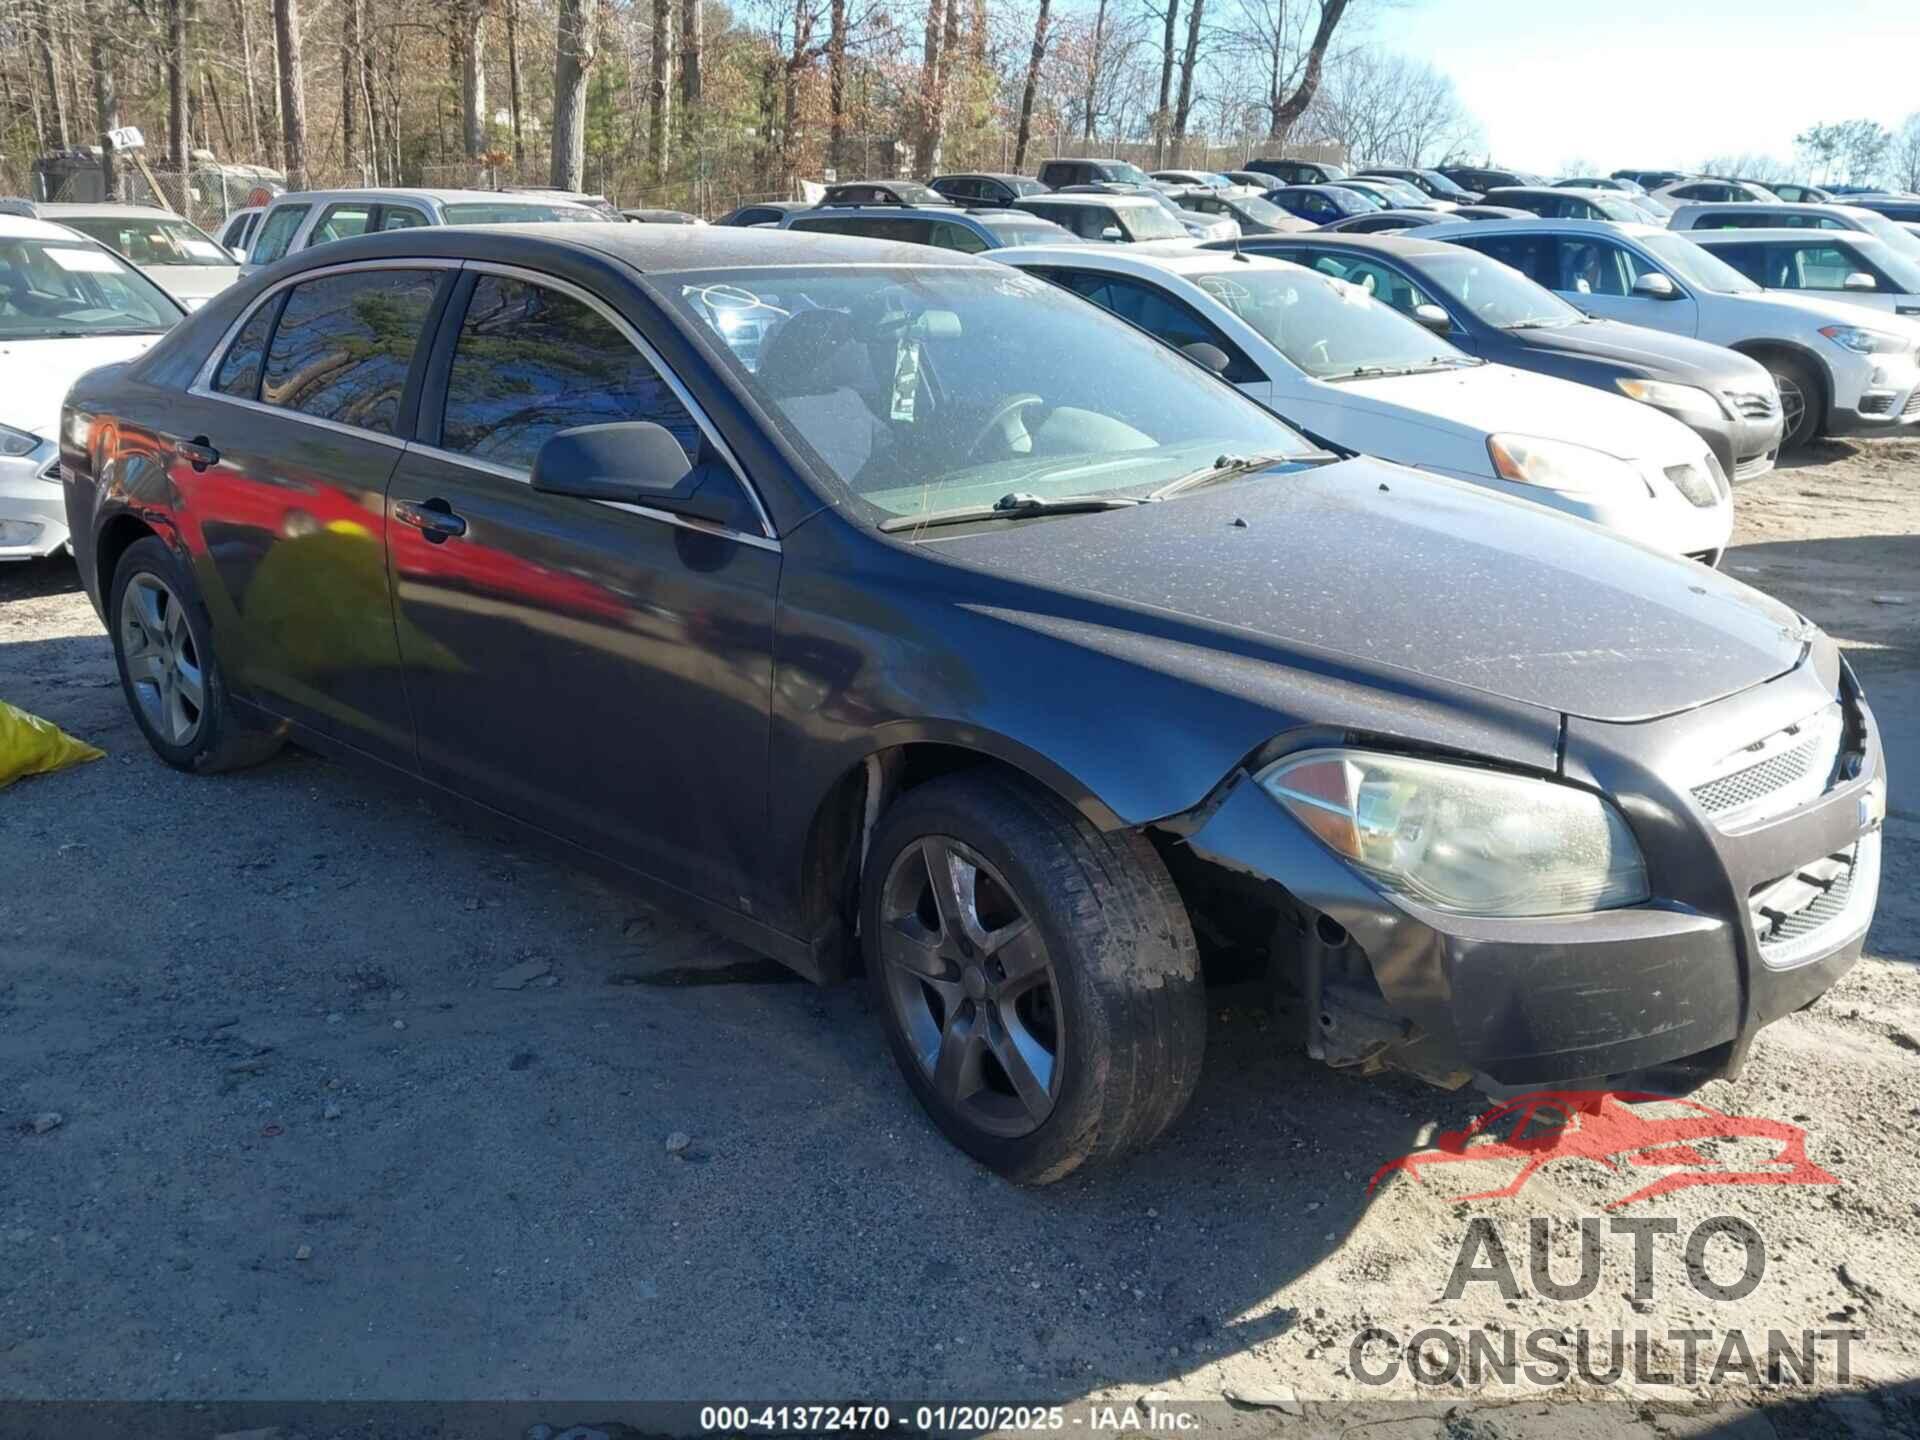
(636, 463)
(1434, 318)
(1655, 286)
(1211, 356)
(1859, 280)
(1112, 234)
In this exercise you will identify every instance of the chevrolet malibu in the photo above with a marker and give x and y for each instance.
(898, 611)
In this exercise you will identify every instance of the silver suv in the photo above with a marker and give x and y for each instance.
(1795, 217)
(1840, 372)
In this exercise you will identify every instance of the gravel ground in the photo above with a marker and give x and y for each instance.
(308, 1146)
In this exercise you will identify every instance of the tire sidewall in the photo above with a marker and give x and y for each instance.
(1811, 396)
(1088, 1027)
(151, 556)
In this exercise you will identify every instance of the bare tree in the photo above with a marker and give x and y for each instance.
(926, 142)
(836, 84)
(513, 78)
(1028, 91)
(1168, 38)
(692, 57)
(1184, 106)
(106, 96)
(659, 92)
(293, 89)
(1090, 101)
(349, 82)
(49, 56)
(1905, 156)
(177, 134)
(468, 19)
(573, 55)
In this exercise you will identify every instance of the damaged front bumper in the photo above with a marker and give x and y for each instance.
(1755, 913)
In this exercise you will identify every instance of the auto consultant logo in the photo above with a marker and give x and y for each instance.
(1693, 1144)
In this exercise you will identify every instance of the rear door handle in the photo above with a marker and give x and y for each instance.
(432, 518)
(197, 452)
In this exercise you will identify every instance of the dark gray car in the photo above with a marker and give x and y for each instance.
(953, 627)
(1493, 311)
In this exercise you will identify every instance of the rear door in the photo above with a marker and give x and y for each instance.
(282, 450)
(599, 670)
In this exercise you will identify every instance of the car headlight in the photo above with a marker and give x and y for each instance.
(15, 443)
(1559, 465)
(1456, 838)
(1687, 399)
(1866, 342)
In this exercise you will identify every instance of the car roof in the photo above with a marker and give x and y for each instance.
(979, 175)
(1782, 233)
(19, 227)
(1163, 257)
(55, 209)
(1772, 207)
(1083, 197)
(1402, 247)
(1633, 229)
(443, 197)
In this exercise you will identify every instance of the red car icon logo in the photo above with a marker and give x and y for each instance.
(1601, 1126)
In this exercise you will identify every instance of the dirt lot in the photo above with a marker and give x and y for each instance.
(309, 1148)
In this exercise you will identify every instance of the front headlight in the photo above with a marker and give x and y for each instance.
(1474, 842)
(1862, 341)
(15, 443)
(1687, 399)
(1559, 465)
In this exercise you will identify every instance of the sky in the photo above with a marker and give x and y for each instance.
(1658, 84)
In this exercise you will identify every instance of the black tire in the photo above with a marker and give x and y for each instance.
(1122, 985)
(1796, 377)
(218, 739)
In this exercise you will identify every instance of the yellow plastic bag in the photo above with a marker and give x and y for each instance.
(32, 746)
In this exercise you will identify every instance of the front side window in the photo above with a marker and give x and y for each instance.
(1160, 315)
(277, 231)
(1034, 231)
(344, 345)
(1497, 293)
(1331, 329)
(1592, 267)
(340, 222)
(531, 361)
(1680, 258)
(921, 388)
(151, 241)
(50, 289)
(1149, 222)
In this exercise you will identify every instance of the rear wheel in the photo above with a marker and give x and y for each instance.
(1802, 404)
(163, 646)
(1038, 980)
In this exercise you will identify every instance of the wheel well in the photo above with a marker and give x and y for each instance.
(836, 841)
(1763, 351)
(121, 532)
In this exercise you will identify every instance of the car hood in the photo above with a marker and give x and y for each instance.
(1658, 353)
(1814, 312)
(1405, 571)
(193, 285)
(35, 374)
(1497, 398)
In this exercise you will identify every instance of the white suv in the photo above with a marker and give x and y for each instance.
(301, 219)
(1840, 372)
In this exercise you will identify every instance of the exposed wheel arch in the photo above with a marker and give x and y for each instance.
(116, 536)
(1764, 350)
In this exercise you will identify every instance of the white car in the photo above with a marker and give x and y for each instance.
(302, 219)
(180, 257)
(1845, 265)
(1837, 374)
(237, 233)
(1333, 360)
(68, 306)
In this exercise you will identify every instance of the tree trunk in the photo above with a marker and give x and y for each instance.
(1295, 105)
(513, 77)
(293, 90)
(350, 46)
(1025, 132)
(1161, 116)
(246, 76)
(1184, 107)
(56, 133)
(692, 58)
(106, 98)
(659, 91)
(1093, 72)
(926, 145)
(178, 138)
(796, 62)
(469, 20)
(273, 109)
(572, 55)
(836, 86)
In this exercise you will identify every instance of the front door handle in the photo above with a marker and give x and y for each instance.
(432, 518)
(197, 452)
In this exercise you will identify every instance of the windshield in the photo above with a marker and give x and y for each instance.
(1498, 294)
(1334, 172)
(150, 240)
(1898, 238)
(1615, 208)
(1153, 222)
(1028, 232)
(917, 389)
(49, 289)
(1258, 209)
(1126, 171)
(506, 212)
(1695, 266)
(1446, 187)
(1351, 202)
(1327, 327)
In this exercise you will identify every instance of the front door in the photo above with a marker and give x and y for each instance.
(599, 670)
(1597, 275)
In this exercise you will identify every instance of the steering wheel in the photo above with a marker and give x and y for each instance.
(996, 423)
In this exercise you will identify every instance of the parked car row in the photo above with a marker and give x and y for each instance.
(931, 613)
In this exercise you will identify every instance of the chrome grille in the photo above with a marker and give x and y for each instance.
(1695, 483)
(1775, 774)
(1817, 908)
(1753, 404)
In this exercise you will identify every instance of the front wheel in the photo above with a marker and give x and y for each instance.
(1038, 980)
(1801, 406)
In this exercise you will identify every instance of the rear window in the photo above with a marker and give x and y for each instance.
(345, 343)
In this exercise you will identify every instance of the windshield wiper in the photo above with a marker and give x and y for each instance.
(1228, 466)
(1016, 506)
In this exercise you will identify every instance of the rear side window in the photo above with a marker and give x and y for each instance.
(531, 361)
(400, 217)
(341, 222)
(276, 232)
(239, 373)
(345, 343)
(949, 236)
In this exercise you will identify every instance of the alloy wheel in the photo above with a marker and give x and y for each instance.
(1793, 403)
(163, 665)
(972, 986)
